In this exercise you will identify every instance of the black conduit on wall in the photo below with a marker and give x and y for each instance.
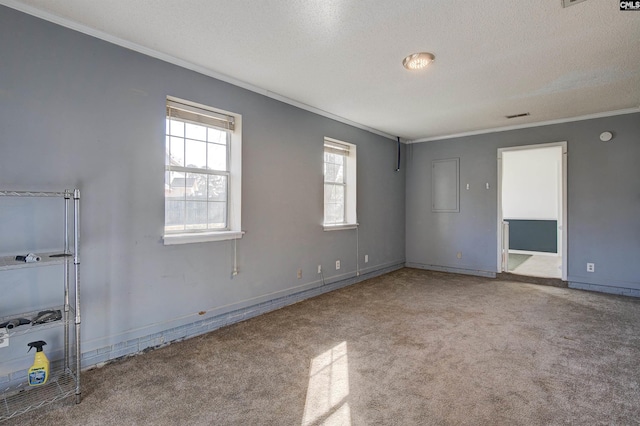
(398, 168)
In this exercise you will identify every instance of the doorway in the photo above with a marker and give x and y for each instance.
(532, 207)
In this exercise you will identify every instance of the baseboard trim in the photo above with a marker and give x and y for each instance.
(553, 282)
(603, 282)
(109, 353)
(605, 289)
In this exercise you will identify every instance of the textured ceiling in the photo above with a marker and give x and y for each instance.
(493, 57)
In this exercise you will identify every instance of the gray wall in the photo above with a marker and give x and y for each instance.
(603, 202)
(79, 112)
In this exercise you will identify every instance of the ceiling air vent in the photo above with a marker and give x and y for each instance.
(524, 114)
(567, 3)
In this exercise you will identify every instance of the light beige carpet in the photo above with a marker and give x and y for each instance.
(409, 348)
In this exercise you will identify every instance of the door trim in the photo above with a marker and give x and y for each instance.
(563, 145)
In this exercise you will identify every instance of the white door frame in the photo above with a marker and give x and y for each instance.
(562, 144)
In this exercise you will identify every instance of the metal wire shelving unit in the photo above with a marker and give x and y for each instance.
(64, 377)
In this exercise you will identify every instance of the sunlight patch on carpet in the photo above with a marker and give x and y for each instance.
(516, 260)
(328, 390)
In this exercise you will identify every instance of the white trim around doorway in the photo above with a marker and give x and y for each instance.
(562, 144)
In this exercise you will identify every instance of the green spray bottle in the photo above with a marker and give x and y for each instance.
(39, 371)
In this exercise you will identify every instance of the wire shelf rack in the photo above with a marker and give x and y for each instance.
(16, 396)
(21, 399)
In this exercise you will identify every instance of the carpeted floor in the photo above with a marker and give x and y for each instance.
(408, 348)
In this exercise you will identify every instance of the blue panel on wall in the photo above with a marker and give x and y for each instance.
(533, 235)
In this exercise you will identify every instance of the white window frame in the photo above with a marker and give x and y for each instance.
(234, 194)
(351, 219)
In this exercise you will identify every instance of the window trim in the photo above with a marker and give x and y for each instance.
(350, 184)
(201, 237)
(234, 182)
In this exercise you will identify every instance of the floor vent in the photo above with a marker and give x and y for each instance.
(567, 3)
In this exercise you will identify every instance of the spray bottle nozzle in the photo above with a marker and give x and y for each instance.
(38, 345)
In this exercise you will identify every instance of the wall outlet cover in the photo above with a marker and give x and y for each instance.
(337, 265)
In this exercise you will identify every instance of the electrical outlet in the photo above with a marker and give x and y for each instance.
(366, 258)
(299, 273)
(591, 267)
(319, 269)
(337, 265)
(4, 338)
(459, 255)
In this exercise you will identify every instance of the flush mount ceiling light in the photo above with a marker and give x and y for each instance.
(606, 136)
(418, 61)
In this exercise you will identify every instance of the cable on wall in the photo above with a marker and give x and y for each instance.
(235, 258)
(398, 165)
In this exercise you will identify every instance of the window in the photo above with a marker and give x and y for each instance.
(339, 185)
(202, 173)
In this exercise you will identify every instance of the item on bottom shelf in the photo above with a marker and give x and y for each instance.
(12, 323)
(30, 258)
(39, 371)
(47, 316)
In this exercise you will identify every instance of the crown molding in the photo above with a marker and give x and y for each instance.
(528, 125)
(67, 23)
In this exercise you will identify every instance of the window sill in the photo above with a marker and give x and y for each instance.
(340, 226)
(201, 237)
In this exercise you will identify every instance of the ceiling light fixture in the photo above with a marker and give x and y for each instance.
(418, 61)
(606, 136)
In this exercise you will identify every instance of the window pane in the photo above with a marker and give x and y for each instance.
(195, 131)
(217, 157)
(196, 186)
(333, 193)
(333, 158)
(167, 151)
(333, 213)
(333, 203)
(175, 186)
(174, 213)
(175, 128)
(195, 154)
(217, 136)
(217, 188)
(333, 173)
(175, 148)
(196, 217)
(217, 215)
